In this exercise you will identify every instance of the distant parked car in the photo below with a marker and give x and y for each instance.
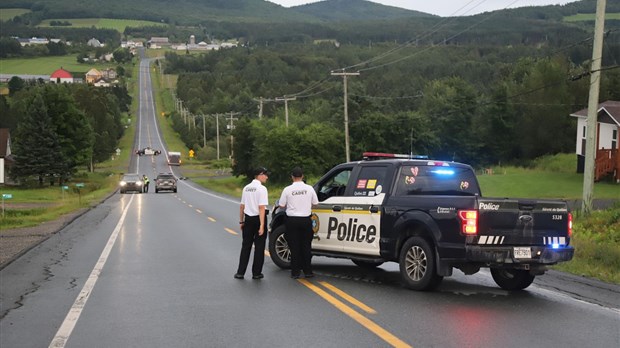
(148, 151)
(165, 182)
(131, 182)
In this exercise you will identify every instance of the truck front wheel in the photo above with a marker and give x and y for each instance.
(512, 279)
(418, 265)
(278, 248)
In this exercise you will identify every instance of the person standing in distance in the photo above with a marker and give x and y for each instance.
(146, 183)
(298, 199)
(253, 222)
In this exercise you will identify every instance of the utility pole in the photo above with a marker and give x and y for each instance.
(217, 134)
(204, 132)
(285, 99)
(261, 101)
(591, 123)
(346, 110)
(231, 126)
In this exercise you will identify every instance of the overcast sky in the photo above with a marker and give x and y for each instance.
(447, 7)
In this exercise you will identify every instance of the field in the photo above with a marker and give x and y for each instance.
(46, 65)
(590, 17)
(10, 13)
(103, 23)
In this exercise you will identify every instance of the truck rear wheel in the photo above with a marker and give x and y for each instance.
(278, 248)
(512, 279)
(418, 265)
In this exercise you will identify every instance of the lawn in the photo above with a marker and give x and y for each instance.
(10, 13)
(47, 65)
(103, 23)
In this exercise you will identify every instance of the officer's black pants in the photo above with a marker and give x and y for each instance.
(250, 236)
(299, 237)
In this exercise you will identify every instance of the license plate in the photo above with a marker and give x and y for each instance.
(522, 253)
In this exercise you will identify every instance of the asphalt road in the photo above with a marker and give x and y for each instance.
(156, 270)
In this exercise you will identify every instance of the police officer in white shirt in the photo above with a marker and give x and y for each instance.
(298, 199)
(253, 221)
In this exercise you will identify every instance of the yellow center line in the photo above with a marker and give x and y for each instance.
(349, 298)
(211, 219)
(189, 205)
(230, 231)
(362, 320)
(199, 211)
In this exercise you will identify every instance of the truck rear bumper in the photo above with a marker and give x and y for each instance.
(502, 255)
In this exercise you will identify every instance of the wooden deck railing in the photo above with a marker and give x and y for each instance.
(607, 161)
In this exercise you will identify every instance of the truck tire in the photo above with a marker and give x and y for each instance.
(418, 265)
(278, 248)
(512, 279)
(367, 264)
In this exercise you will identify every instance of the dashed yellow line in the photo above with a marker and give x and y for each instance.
(211, 219)
(231, 231)
(199, 211)
(362, 320)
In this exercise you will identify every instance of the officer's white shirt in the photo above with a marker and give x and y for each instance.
(298, 198)
(254, 194)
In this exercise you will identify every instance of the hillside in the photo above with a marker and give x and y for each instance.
(339, 10)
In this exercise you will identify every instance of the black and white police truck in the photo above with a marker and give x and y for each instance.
(430, 217)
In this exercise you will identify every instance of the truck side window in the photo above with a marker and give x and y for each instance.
(336, 185)
(370, 181)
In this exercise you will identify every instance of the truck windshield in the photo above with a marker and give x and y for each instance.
(436, 180)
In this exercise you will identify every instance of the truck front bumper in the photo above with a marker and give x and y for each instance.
(541, 255)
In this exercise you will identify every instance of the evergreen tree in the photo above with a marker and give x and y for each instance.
(37, 149)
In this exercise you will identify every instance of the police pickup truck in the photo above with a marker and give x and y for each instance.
(430, 217)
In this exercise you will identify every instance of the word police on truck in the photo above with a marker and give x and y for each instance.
(430, 217)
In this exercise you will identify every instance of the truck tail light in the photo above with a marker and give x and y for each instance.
(570, 225)
(469, 221)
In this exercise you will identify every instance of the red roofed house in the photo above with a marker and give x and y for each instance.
(607, 142)
(61, 76)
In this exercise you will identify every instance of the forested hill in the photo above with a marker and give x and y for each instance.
(337, 10)
(196, 11)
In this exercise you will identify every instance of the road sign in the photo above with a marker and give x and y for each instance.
(191, 153)
(7, 196)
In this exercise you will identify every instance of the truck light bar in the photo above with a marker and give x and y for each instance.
(381, 155)
(570, 225)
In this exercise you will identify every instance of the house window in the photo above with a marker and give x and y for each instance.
(584, 132)
(614, 139)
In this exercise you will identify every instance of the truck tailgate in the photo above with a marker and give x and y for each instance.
(510, 221)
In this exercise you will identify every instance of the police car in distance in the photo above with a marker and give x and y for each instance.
(430, 217)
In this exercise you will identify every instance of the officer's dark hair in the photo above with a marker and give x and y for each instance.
(297, 172)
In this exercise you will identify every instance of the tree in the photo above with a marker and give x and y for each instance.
(37, 147)
(16, 84)
(74, 131)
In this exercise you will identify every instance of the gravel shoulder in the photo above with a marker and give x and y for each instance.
(15, 242)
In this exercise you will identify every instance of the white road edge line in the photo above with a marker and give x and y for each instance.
(65, 330)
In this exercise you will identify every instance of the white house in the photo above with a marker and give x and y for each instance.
(607, 129)
(608, 126)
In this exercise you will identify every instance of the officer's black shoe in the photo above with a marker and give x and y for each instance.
(238, 276)
(309, 275)
(295, 276)
(258, 276)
